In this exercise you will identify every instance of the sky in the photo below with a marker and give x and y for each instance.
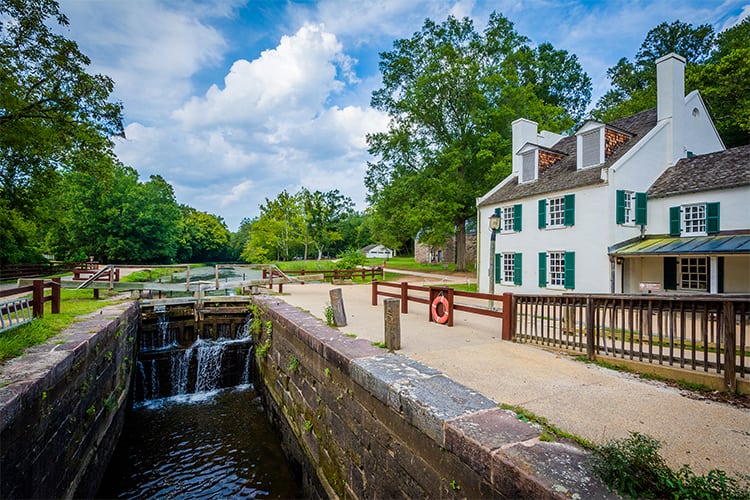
(234, 101)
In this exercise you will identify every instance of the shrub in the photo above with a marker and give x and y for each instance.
(351, 258)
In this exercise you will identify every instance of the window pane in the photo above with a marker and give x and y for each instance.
(556, 212)
(556, 269)
(694, 273)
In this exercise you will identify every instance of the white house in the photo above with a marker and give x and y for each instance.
(378, 252)
(576, 212)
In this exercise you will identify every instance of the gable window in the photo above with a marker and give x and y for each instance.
(528, 172)
(694, 220)
(631, 208)
(557, 269)
(557, 212)
(591, 148)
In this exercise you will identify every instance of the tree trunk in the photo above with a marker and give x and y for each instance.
(461, 245)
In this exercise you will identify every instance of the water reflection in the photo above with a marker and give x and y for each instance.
(205, 445)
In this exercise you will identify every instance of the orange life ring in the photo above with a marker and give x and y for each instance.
(443, 318)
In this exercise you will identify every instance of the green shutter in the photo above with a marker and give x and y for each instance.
(620, 204)
(712, 218)
(720, 277)
(542, 213)
(670, 273)
(674, 221)
(641, 200)
(517, 269)
(570, 205)
(498, 266)
(498, 213)
(570, 270)
(542, 269)
(517, 217)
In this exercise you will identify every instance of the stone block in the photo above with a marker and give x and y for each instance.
(376, 374)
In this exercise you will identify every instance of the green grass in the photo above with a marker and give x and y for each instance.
(73, 303)
(549, 431)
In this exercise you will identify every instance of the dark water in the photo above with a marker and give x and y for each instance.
(216, 444)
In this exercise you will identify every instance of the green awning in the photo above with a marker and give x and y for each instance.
(729, 244)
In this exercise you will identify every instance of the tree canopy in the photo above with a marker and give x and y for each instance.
(717, 65)
(452, 94)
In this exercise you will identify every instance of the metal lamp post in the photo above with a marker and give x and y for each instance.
(494, 226)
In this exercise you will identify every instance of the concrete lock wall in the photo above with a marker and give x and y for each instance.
(365, 423)
(62, 407)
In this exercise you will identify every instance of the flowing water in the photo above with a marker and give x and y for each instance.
(202, 441)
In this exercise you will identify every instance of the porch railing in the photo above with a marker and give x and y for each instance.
(705, 333)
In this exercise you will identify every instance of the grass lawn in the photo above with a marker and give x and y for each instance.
(73, 303)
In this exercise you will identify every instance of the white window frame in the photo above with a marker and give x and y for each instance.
(556, 218)
(629, 208)
(533, 154)
(693, 219)
(556, 269)
(693, 273)
(508, 270)
(506, 219)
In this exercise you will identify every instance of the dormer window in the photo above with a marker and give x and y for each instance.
(596, 142)
(535, 160)
(528, 172)
(591, 150)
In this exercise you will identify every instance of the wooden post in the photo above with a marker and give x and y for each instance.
(302, 273)
(281, 289)
(374, 292)
(729, 336)
(405, 297)
(337, 304)
(96, 294)
(392, 323)
(508, 317)
(55, 295)
(590, 328)
(38, 300)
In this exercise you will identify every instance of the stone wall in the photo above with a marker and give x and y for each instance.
(422, 252)
(62, 407)
(365, 423)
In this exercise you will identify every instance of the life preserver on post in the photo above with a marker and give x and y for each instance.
(440, 318)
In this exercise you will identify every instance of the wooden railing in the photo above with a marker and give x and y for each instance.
(430, 296)
(331, 275)
(15, 271)
(707, 333)
(20, 310)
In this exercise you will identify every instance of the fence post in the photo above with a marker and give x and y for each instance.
(392, 323)
(302, 273)
(38, 300)
(508, 317)
(374, 292)
(729, 336)
(404, 297)
(337, 304)
(590, 328)
(55, 295)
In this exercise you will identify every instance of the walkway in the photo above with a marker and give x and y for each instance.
(583, 399)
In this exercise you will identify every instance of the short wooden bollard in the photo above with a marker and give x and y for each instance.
(337, 304)
(392, 320)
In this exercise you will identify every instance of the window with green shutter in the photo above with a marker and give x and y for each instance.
(517, 217)
(542, 269)
(570, 214)
(674, 221)
(620, 206)
(712, 218)
(542, 213)
(570, 270)
(641, 200)
(517, 269)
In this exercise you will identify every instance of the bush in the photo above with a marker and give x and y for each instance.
(634, 468)
(351, 258)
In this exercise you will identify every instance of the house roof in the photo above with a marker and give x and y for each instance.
(564, 174)
(720, 170)
(721, 244)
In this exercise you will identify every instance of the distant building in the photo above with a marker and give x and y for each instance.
(377, 252)
(427, 254)
(649, 202)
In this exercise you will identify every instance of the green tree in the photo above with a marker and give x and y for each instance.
(51, 111)
(717, 65)
(322, 214)
(278, 231)
(452, 94)
(205, 237)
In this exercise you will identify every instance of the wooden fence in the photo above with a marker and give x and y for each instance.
(700, 333)
(20, 310)
(15, 271)
(330, 275)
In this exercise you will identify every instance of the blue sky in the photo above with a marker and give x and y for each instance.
(234, 101)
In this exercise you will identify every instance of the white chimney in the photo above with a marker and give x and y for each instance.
(670, 101)
(524, 131)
